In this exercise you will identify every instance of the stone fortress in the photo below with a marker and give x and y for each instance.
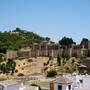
(47, 48)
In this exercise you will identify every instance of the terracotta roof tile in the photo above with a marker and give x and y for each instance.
(62, 80)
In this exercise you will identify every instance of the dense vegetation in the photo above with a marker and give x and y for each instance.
(17, 39)
(8, 67)
(2, 58)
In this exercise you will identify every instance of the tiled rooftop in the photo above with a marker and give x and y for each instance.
(62, 80)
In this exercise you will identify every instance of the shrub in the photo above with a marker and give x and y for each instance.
(45, 68)
(16, 70)
(1, 58)
(30, 60)
(12, 74)
(59, 60)
(50, 57)
(23, 63)
(51, 73)
(44, 64)
(20, 74)
(19, 65)
(36, 86)
(47, 62)
(22, 68)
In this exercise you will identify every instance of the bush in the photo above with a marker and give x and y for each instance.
(36, 86)
(16, 71)
(23, 63)
(50, 57)
(47, 62)
(12, 74)
(44, 64)
(22, 68)
(20, 74)
(30, 60)
(59, 60)
(1, 58)
(51, 73)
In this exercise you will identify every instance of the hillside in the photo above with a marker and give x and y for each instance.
(17, 39)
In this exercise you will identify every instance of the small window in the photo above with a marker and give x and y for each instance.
(59, 87)
(69, 86)
(81, 81)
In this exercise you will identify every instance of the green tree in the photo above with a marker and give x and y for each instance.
(3, 68)
(59, 60)
(12, 64)
(65, 55)
(66, 41)
(8, 67)
(47, 38)
(85, 42)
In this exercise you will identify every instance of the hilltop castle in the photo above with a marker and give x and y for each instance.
(47, 48)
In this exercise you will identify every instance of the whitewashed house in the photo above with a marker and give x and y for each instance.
(31, 88)
(61, 83)
(10, 85)
(80, 82)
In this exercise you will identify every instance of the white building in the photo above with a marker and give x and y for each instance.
(31, 88)
(80, 81)
(61, 83)
(10, 85)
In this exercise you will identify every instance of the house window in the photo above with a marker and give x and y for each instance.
(81, 81)
(69, 87)
(59, 87)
